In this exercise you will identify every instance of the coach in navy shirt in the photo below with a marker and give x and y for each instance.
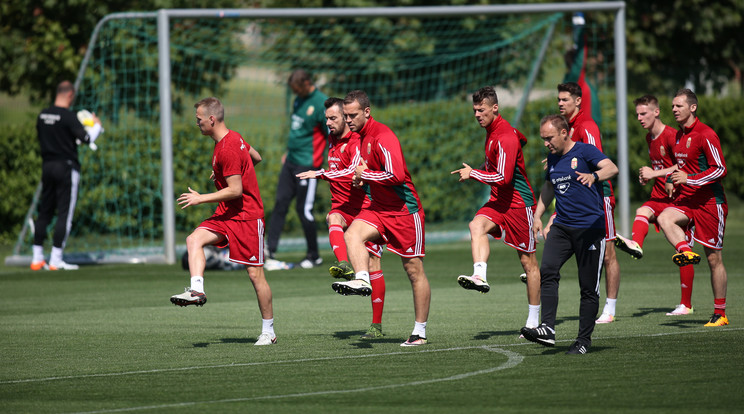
(573, 176)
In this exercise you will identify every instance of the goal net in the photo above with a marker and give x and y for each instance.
(418, 70)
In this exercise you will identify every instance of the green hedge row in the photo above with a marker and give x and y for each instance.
(437, 137)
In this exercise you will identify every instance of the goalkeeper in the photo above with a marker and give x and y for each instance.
(59, 132)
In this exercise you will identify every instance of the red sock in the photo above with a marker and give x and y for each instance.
(686, 275)
(720, 306)
(640, 230)
(682, 247)
(377, 280)
(338, 245)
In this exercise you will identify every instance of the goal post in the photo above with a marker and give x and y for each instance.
(427, 67)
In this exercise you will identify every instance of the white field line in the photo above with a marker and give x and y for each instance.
(513, 359)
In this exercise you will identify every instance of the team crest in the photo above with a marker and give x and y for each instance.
(574, 163)
(662, 151)
(369, 148)
(689, 142)
(343, 148)
(310, 110)
(570, 133)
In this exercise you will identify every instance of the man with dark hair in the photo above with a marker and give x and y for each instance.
(346, 203)
(394, 217)
(238, 220)
(307, 141)
(511, 207)
(584, 129)
(59, 132)
(573, 176)
(700, 199)
(661, 141)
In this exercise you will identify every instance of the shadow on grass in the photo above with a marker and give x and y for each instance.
(225, 341)
(649, 311)
(365, 343)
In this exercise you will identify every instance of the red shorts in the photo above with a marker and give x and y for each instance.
(709, 221)
(348, 216)
(245, 238)
(609, 208)
(515, 224)
(404, 235)
(656, 206)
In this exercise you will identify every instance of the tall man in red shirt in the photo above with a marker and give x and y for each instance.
(510, 210)
(584, 129)
(346, 202)
(700, 198)
(661, 141)
(395, 215)
(238, 220)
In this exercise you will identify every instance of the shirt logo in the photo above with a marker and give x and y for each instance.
(570, 133)
(343, 148)
(574, 163)
(563, 187)
(662, 151)
(369, 148)
(689, 141)
(310, 110)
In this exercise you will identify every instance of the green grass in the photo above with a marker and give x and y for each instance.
(106, 339)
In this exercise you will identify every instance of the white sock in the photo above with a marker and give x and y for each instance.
(268, 326)
(419, 328)
(38, 254)
(363, 275)
(610, 306)
(197, 283)
(56, 257)
(533, 317)
(479, 269)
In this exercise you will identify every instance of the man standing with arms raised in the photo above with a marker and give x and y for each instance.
(394, 217)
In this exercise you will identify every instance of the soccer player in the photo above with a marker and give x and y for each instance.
(395, 215)
(307, 141)
(511, 207)
(584, 129)
(58, 130)
(346, 202)
(700, 198)
(574, 174)
(238, 220)
(661, 141)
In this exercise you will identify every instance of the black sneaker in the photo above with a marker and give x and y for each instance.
(543, 335)
(342, 270)
(577, 348)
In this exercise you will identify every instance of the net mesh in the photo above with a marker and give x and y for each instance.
(419, 73)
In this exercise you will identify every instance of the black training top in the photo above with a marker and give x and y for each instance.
(58, 129)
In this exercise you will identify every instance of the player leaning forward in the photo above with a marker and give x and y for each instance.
(394, 216)
(238, 220)
(510, 209)
(574, 176)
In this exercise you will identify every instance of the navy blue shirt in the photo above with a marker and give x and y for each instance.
(577, 205)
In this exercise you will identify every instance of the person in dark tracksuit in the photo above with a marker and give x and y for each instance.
(573, 174)
(59, 132)
(307, 143)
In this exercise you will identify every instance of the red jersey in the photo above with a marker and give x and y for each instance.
(390, 185)
(698, 153)
(505, 170)
(660, 151)
(582, 128)
(231, 157)
(343, 158)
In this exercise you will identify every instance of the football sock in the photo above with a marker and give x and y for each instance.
(267, 326)
(533, 316)
(682, 247)
(479, 269)
(720, 306)
(363, 275)
(640, 230)
(419, 328)
(377, 280)
(338, 245)
(197, 283)
(609, 306)
(686, 276)
(38, 253)
(56, 256)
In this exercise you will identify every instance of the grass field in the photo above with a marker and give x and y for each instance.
(106, 339)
